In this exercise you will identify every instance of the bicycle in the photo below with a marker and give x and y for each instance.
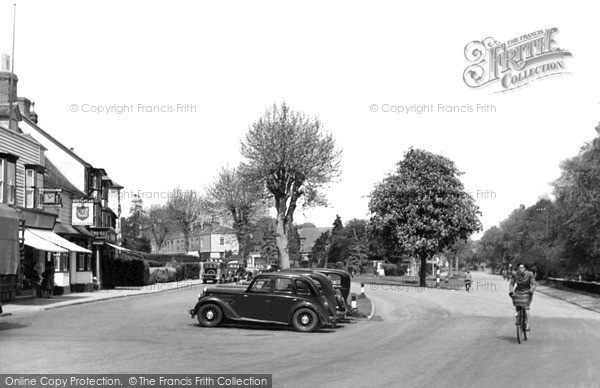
(521, 324)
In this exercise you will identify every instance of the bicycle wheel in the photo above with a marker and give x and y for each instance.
(518, 326)
(523, 325)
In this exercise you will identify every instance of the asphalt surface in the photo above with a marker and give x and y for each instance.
(417, 338)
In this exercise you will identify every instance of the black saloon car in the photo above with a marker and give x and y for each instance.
(334, 296)
(277, 298)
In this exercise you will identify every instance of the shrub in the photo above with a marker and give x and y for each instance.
(393, 269)
(162, 275)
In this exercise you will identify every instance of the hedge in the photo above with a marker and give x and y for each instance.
(125, 272)
(167, 258)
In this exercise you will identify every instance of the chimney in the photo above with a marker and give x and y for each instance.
(5, 84)
(32, 115)
(5, 62)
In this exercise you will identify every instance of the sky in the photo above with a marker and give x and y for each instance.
(101, 72)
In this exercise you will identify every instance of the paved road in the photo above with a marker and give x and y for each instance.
(424, 338)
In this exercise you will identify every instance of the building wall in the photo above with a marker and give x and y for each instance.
(28, 151)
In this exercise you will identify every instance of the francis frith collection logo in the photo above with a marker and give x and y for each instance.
(516, 62)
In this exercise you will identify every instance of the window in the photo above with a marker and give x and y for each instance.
(33, 181)
(8, 177)
(222, 255)
(30, 189)
(302, 287)
(222, 241)
(283, 285)
(61, 262)
(84, 262)
(261, 285)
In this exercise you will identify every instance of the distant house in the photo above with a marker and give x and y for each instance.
(210, 242)
(308, 237)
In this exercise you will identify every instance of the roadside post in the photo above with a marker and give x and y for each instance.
(362, 288)
(353, 303)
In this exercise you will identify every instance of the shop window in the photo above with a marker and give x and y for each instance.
(61, 262)
(84, 262)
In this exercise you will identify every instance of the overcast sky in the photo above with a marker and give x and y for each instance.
(226, 62)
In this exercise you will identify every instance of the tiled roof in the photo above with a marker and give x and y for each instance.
(308, 237)
(54, 179)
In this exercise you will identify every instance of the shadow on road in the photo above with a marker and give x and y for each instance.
(264, 327)
(507, 338)
(10, 326)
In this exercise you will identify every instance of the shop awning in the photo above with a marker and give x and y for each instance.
(37, 242)
(57, 240)
(118, 247)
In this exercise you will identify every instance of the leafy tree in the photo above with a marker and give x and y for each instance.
(339, 244)
(358, 252)
(423, 207)
(185, 208)
(158, 223)
(268, 247)
(319, 250)
(131, 227)
(291, 155)
(233, 194)
(490, 248)
(578, 209)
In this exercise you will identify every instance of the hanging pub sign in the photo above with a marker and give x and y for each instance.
(83, 213)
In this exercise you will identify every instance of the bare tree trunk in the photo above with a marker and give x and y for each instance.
(282, 241)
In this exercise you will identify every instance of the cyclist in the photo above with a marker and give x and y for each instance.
(468, 280)
(522, 294)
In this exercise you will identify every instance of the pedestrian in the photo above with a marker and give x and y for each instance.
(49, 280)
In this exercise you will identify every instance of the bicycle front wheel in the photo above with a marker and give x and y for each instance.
(518, 326)
(523, 325)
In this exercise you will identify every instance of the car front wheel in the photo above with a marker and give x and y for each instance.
(210, 315)
(305, 320)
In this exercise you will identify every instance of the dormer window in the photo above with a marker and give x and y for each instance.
(8, 178)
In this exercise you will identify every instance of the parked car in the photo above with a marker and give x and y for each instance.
(341, 280)
(326, 286)
(277, 298)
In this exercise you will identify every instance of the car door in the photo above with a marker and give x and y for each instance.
(255, 303)
(283, 299)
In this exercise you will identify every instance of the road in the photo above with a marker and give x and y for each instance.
(417, 339)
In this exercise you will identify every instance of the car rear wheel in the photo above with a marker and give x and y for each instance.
(210, 315)
(305, 320)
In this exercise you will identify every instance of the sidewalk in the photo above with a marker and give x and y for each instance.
(30, 305)
(581, 300)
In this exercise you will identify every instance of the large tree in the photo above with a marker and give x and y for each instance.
(158, 223)
(132, 227)
(185, 208)
(243, 199)
(423, 207)
(293, 157)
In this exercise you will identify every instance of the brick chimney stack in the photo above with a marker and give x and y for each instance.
(5, 78)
